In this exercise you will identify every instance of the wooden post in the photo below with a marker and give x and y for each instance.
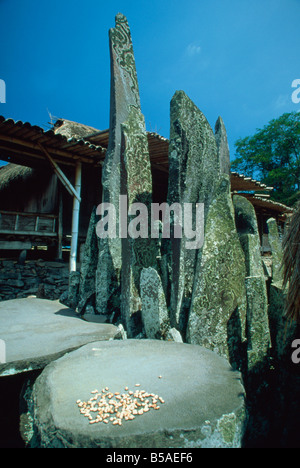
(75, 218)
(60, 224)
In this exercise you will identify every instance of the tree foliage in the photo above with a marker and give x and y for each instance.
(272, 155)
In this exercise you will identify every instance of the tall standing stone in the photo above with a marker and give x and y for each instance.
(124, 93)
(223, 147)
(258, 334)
(218, 310)
(87, 288)
(138, 248)
(193, 172)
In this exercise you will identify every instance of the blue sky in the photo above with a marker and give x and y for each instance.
(234, 58)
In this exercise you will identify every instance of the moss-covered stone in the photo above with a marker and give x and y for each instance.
(218, 311)
(258, 334)
(193, 175)
(257, 331)
(87, 288)
(154, 308)
(277, 252)
(124, 93)
(223, 147)
(136, 184)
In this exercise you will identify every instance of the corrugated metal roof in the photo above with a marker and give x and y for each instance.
(20, 143)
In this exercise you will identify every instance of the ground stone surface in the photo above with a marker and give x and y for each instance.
(37, 331)
(197, 411)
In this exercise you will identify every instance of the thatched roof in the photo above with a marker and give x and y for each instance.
(71, 129)
(291, 264)
(13, 173)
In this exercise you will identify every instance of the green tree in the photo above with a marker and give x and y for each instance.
(272, 155)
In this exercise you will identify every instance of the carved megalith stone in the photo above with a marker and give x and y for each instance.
(138, 248)
(218, 310)
(258, 334)
(124, 93)
(193, 174)
(223, 147)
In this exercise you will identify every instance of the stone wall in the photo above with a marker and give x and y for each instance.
(44, 279)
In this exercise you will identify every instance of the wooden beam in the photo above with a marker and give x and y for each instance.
(28, 233)
(15, 245)
(64, 180)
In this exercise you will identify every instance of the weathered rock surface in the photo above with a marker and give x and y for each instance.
(87, 287)
(218, 312)
(282, 331)
(193, 175)
(138, 248)
(197, 411)
(223, 148)
(258, 334)
(155, 314)
(124, 94)
(277, 253)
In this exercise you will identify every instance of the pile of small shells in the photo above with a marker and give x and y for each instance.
(109, 407)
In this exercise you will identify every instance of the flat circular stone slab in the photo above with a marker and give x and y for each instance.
(203, 397)
(36, 331)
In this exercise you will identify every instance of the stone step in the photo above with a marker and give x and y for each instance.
(37, 331)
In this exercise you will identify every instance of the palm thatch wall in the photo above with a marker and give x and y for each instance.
(291, 265)
(27, 190)
(11, 173)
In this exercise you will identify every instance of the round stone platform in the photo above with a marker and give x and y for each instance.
(34, 332)
(198, 399)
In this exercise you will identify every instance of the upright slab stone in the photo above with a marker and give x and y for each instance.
(282, 331)
(277, 252)
(218, 310)
(154, 308)
(223, 147)
(258, 334)
(87, 289)
(124, 93)
(138, 248)
(193, 174)
(247, 228)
